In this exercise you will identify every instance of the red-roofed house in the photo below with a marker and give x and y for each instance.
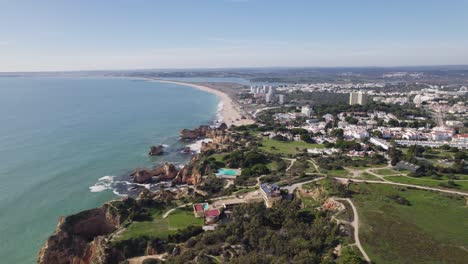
(199, 209)
(211, 216)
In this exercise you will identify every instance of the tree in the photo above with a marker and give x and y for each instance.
(350, 256)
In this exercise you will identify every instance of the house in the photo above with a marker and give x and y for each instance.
(199, 209)
(460, 138)
(271, 193)
(403, 165)
(212, 216)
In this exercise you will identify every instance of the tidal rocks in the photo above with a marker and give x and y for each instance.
(142, 176)
(156, 150)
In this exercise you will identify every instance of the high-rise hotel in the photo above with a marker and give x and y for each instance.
(357, 98)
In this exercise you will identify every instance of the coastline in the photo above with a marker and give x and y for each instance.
(230, 112)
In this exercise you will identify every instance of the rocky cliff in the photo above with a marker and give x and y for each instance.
(84, 237)
(165, 172)
(202, 132)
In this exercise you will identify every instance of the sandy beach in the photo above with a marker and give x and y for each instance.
(230, 112)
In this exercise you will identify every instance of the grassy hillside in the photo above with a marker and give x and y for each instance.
(432, 229)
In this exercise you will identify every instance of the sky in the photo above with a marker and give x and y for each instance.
(64, 35)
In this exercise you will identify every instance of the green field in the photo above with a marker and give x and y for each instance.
(161, 228)
(432, 229)
(385, 172)
(336, 173)
(286, 147)
(368, 176)
(462, 185)
(218, 157)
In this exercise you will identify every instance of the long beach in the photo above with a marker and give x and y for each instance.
(230, 112)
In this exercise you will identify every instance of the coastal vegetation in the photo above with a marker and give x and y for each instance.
(256, 234)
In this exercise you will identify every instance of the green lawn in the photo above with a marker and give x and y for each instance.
(161, 228)
(219, 157)
(432, 229)
(286, 147)
(462, 185)
(368, 176)
(336, 173)
(385, 172)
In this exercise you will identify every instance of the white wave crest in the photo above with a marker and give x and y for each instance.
(196, 146)
(104, 183)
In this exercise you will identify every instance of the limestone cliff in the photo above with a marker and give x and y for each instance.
(83, 238)
(165, 172)
(201, 132)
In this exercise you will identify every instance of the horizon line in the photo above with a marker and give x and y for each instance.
(238, 68)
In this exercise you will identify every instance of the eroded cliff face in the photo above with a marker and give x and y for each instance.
(83, 238)
(165, 172)
(202, 132)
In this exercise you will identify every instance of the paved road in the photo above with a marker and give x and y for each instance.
(406, 185)
(355, 225)
(292, 187)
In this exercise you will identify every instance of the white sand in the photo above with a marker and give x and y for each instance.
(230, 112)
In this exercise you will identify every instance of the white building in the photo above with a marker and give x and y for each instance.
(379, 142)
(357, 98)
(453, 123)
(307, 111)
(281, 99)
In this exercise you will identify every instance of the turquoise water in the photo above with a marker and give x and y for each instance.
(229, 172)
(58, 136)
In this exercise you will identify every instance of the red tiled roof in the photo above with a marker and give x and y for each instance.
(198, 207)
(210, 213)
(461, 136)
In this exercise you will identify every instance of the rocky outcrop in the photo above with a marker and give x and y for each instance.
(201, 132)
(83, 237)
(162, 173)
(189, 174)
(156, 150)
(142, 176)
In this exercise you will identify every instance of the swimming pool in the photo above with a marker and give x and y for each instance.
(227, 172)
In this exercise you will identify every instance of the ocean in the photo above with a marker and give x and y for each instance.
(67, 143)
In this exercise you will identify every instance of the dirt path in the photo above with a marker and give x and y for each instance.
(166, 214)
(291, 164)
(355, 225)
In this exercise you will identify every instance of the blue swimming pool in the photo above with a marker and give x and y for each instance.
(228, 172)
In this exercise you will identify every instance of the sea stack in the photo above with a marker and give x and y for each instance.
(156, 150)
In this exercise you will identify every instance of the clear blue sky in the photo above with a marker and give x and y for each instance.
(137, 34)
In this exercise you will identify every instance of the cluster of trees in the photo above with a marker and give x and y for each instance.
(418, 154)
(340, 161)
(344, 145)
(253, 163)
(255, 234)
(237, 159)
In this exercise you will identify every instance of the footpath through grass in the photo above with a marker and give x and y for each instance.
(432, 229)
(286, 147)
(460, 185)
(161, 228)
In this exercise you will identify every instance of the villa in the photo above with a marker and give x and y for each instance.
(199, 209)
(212, 216)
(271, 193)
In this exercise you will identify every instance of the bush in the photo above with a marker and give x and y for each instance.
(151, 261)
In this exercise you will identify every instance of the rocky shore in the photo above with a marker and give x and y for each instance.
(86, 237)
